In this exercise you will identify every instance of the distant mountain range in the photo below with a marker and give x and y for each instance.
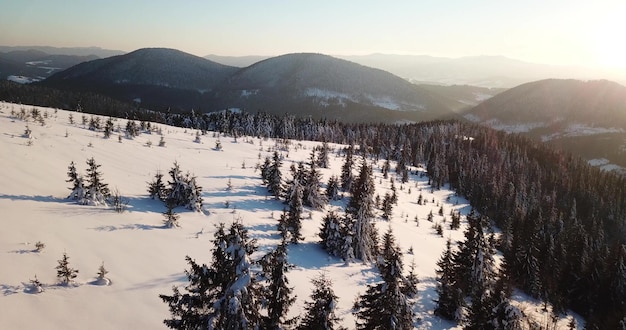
(482, 71)
(32, 65)
(304, 84)
(585, 117)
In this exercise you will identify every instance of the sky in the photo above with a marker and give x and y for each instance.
(586, 33)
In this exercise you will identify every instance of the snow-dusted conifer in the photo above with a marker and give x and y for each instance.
(294, 215)
(194, 194)
(331, 234)
(332, 189)
(450, 298)
(274, 176)
(322, 157)
(36, 286)
(156, 188)
(65, 273)
(171, 218)
(313, 197)
(385, 305)
(360, 210)
(223, 295)
(238, 306)
(346, 169)
(278, 295)
(320, 310)
(78, 188)
(97, 191)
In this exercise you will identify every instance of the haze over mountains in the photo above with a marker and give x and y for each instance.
(571, 114)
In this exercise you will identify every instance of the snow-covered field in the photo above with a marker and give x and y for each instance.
(143, 258)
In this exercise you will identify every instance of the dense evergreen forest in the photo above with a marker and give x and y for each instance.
(561, 222)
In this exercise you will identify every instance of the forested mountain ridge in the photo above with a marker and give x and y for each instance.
(148, 66)
(294, 83)
(305, 84)
(585, 117)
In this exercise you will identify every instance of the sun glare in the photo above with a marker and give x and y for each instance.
(610, 45)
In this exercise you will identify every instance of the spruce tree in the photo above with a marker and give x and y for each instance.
(332, 189)
(385, 305)
(294, 215)
(97, 191)
(274, 176)
(223, 295)
(238, 306)
(278, 295)
(387, 206)
(331, 234)
(312, 195)
(156, 188)
(171, 218)
(65, 273)
(360, 211)
(320, 310)
(450, 297)
(78, 189)
(322, 157)
(108, 128)
(346, 170)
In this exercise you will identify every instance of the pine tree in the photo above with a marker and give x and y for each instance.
(222, 296)
(183, 190)
(171, 218)
(274, 176)
(108, 128)
(194, 194)
(346, 170)
(322, 158)
(320, 311)
(450, 298)
(97, 191)
(331, 234)
(278, 295)
(332, 189)
(312, 195)
(65, 273)
(294, 215)
(385, 305)
(78, 189)
(265, 170)
(238, 307)
(360, 211)
(387, 207)
(102, 272)
(156, 188)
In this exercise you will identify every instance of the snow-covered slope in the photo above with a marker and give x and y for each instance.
(143, 258)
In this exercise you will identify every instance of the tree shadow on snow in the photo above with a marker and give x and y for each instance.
(236, 177)
(161, 281)
(134, 226)
(35, 198)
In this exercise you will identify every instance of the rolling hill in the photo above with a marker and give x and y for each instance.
(324, 86)
(302, 84)
(584, 117)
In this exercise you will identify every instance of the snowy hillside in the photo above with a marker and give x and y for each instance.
(145, 259)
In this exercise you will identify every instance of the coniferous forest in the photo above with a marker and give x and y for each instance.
(560, 223)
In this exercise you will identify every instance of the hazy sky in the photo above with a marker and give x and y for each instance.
(590, 32)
